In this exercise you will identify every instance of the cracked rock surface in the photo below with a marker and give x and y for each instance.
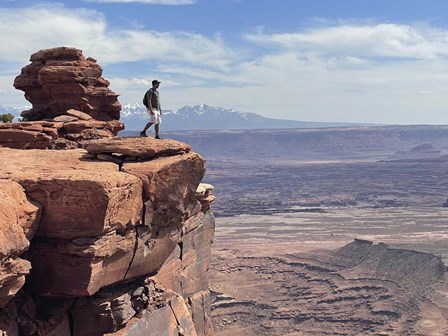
(127, 243)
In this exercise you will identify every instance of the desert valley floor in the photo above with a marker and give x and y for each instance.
(285, 258)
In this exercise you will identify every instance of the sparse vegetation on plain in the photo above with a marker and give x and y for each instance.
(6, 117)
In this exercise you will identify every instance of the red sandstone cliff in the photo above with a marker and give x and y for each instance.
(114, 239)
(113, 250)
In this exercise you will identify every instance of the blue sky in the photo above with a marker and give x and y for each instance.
(383, 61)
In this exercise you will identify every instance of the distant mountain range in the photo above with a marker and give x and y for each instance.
(206, 117)
(201, 117)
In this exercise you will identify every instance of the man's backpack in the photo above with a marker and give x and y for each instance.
(145, 100)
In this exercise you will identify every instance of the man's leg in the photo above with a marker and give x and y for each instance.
(148, 125)
(156, 128)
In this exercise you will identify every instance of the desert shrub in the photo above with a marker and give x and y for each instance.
(6, 118)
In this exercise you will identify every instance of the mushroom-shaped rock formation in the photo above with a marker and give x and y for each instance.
(59, 79)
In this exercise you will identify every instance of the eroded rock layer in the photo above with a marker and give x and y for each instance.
(119, 247)
(63, 132)
(359, 289)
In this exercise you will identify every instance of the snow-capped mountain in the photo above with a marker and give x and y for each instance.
(199, 117)
(206, 117)
(132, 110)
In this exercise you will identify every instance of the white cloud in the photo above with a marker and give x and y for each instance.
(24, 31)
(386, 73)
(380, 40)
(300, 86)
(149, 2)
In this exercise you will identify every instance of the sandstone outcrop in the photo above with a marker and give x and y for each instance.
(59, 79)
(71, 103)
(63, 132)
(112, 240)
(121, 245)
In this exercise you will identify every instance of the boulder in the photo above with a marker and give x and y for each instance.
(204, 196)
(203, 189)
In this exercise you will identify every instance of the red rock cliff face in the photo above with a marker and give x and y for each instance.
(60, 79)
(112, 240)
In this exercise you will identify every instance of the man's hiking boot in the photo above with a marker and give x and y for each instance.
(143, 134)
(157, 137)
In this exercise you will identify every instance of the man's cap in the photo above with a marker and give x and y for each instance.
(155, 81)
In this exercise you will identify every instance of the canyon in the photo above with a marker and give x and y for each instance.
(330, 245)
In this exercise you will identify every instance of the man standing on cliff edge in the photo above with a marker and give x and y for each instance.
(154, 109)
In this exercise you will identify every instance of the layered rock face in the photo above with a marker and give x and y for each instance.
(60, 79)
(71, 103)
(63, 132)
(117, 237)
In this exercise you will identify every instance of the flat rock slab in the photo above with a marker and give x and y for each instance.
(137, 147)
(23, 139)
(78, 114)
(79, 198)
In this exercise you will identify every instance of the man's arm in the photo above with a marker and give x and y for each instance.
(160, 108)
(149, 98)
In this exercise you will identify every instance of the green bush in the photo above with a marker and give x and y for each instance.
(6, 118)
